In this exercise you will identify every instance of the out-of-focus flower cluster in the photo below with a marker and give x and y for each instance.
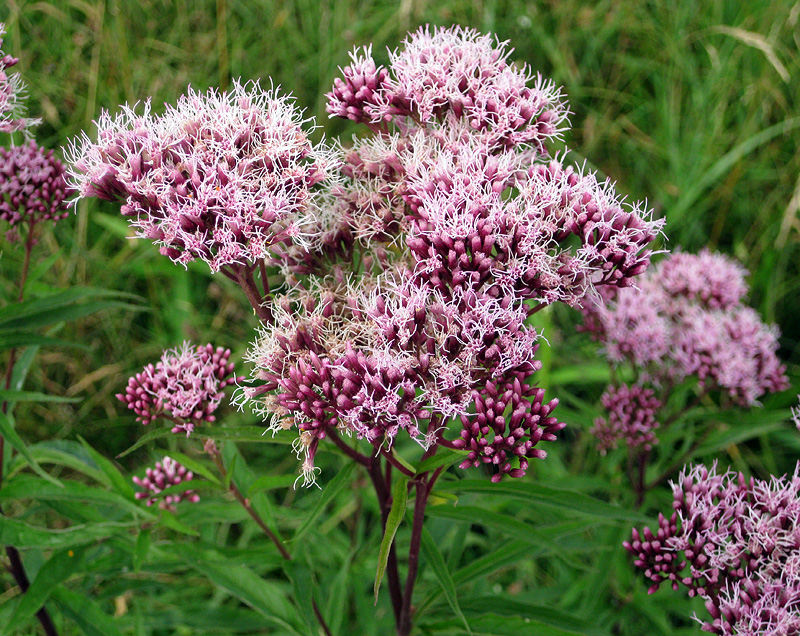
(687, 319)
(12, 94)
(736, 543)
(185, 386)
(168, 472)
(407, 310)
(32, 185)
(631, 418)
(220, 177)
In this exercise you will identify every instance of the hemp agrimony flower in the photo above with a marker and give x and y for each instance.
(186, 386)
(32, 185)
(220, 177)
(406, 312)
(688, 320)
(736, 543)
(12, 94)
(168, 472)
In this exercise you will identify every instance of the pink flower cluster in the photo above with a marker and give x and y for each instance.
(736, 543)
(631, 418)
(186, 386)
(406, 312)
(168, 472)
(220, 177)
(32, 185)
(12, 92)
(688, 320)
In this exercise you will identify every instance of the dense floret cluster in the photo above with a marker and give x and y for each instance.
(12, 94)
(736, 543)
(168, 472)
(220, 177)
(407, 311)
(32, 185)
(186, 386)
(686, 320)
(631, 418)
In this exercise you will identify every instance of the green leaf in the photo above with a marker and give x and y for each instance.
(270, 482)
(30, 487)
(7, 430)
(435, 559)
(170, 521)
(244, 434)
(446, 458)
(569, 500)
(491, 624)
(60, 307)
(9, 395)
(336, 484)
(141, 550)
(22, 535)
(85, 613)
(14, 339)
(114, 477)
(157, 434)
(508, 606)
(741, 427)
(196, 467)
(264, 596)
(396, 514)
(61, 565)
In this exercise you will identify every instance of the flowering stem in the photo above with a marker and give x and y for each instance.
(244, 277)
(423, 490)
(352, 453)
(393, 461)
(211, 449)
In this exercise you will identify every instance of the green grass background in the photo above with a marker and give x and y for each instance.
(692, 106)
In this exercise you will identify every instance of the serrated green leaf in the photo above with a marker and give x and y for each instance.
(7, 430)
(267, 598)
(569, 500)
(60, 307)
(270, 482)
(436, 561)
(141, 550)
(393, 520)
(22, 535)
(85, 612)
(170, 521)
(58, 568)
(197, 467)
(157, 434)
(336, 484)
(14, 339)
(446, 458)
(244, 434)
(114, 478)
(30, 487)
(12, 395)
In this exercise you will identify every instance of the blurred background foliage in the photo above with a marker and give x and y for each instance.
(692, 106)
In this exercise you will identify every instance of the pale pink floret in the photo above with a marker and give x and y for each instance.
(186, 386)
(12, 94)
(168, 472)
(734, 542)
(220, 177)
(684, 321)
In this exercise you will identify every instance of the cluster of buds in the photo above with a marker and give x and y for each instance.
(32, 185)
(687, 319)
(168, 472)
(220, 177)
(186, 386)
(407, 309)
(631, 418)
(12, 93)
(734, 542)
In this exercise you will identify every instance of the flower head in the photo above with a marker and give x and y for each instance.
(736, 543)
(186, 386)
(220, 177)
(631, 418)
(168, 472)
(32, 185)
(12, 94)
